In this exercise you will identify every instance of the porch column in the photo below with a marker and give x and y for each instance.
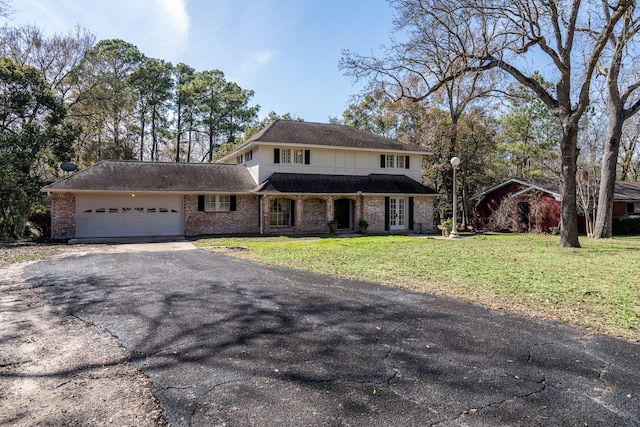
(266, 207)
(329, 209)
(359, 209)
(299, 221)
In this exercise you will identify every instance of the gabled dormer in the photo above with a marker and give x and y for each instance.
(287, 146)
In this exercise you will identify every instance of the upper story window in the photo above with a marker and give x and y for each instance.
(394, 161)
(295, 156)
(248, 156)
(285, 155)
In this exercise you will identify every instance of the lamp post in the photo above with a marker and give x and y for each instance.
(455, 162)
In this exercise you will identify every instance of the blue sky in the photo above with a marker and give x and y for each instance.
(287, 51)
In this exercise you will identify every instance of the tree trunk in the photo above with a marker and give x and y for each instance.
(569, 210)
(604, 215)
(179, 132)
(142, 125)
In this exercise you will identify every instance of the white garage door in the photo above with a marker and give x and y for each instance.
(127, 215)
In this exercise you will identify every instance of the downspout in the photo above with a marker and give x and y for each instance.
(260, 220)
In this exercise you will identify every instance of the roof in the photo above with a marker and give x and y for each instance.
(551, 187)
(155, 176)
(342, 184)
(323, 134)
(626, 191)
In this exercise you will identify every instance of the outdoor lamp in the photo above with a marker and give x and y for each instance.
(455, 162)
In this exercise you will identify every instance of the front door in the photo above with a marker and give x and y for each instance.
(397, 213)
(343, 213)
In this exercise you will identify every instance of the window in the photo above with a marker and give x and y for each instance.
(248, 156)
(633, 208)
(394, 161)
(400, 162)
(390, 161)
(239, 159)
(285, 155)
(217, 203)
(281, 212)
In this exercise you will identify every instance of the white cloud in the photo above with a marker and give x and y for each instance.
(261, 58)
(171, 25)
(256, 60)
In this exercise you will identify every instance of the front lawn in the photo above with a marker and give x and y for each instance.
(597, 286)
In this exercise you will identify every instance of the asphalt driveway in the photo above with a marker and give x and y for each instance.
(228, 342)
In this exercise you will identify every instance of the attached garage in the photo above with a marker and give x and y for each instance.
(122, 215)
(131, 199)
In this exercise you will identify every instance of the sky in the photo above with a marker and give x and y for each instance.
(286, 51)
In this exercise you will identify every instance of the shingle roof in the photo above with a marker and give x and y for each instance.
(309, 133)
(626, 191)
(546, 185)
(342, 184)
(151, 176)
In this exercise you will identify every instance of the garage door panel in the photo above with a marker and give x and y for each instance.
(124, 215)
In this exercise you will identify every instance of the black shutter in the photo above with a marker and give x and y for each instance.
(276, 155)
(406, 162)
(293, 213)
(232, 203)
(386, 213)
(307, 157)
(410, 210)
(200, 203)
(382, 160)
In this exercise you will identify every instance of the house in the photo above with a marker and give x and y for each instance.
(529, 206)
(626, 199)
(291, 177)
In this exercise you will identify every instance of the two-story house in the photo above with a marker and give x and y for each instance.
(291, 177)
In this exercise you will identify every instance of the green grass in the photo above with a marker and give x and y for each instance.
(597, 286)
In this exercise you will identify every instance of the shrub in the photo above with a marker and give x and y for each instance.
(41, 222)
(626, 225)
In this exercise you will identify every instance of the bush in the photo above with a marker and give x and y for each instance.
(41, 222)
(626, 225)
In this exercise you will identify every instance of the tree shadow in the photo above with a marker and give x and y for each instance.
(215, 334)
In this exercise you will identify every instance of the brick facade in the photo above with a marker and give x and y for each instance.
(311, 215)
(245, 219)
(63, 216)
(313, 212)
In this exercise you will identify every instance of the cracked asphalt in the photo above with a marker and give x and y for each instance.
(229, 342)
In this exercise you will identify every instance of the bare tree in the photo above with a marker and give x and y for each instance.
(622, 104)
(56, 56)
(630, 152)
(477, 35)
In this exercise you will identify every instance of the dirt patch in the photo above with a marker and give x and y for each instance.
(57, 370)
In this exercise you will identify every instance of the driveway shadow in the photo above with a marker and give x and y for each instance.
(229, 341)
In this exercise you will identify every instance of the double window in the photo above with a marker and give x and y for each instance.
(246, 157)
(394, 161)
(216, 203)
(292, 156)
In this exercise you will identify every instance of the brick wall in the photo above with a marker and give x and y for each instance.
(63, 216)
(243, 220)
(423, 213)
(373, 213)
(314, 216)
